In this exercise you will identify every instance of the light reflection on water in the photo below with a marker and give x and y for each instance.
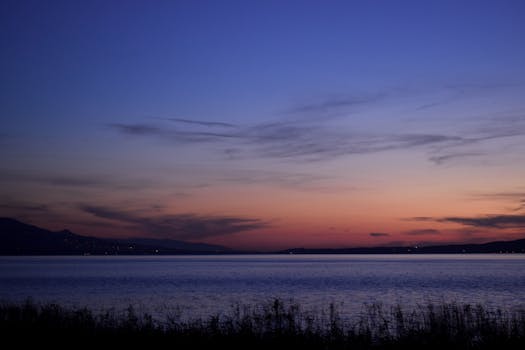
(198, 286)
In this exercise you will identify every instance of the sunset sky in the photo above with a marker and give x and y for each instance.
(265, 124)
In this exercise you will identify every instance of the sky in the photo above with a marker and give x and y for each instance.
(265, 124)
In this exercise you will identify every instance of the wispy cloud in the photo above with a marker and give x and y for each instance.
(521, 205)
(73, 180)
(438, 160)
(489, 221)
(501, 195)
(300, 181)
(336, 103)
(315, 139)
(201, 123)
(420, 218)
(423, 232)
(30, 210)
(456, 91)
(22, 207)
(428, 105)
(174, 135)
(503, 128)
(517, 197)
(378, 234)
(178, 226)
(474, 87)
(293, 140)
(137, 129)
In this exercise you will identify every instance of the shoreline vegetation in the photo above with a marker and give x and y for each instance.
(275, 324)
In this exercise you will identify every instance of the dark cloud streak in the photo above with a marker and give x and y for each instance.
(314, 143)
(423, 232)
(137, 129)
(489, 221)
(179, 226)
(438, 160)
(420, 218)
(378, 234)
(291, 140)
(174, 135)
(315, 140)
(24, 207)
(336, 103)
(202, 123)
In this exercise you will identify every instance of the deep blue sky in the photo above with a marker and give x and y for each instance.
(88, 88)
(129, 59)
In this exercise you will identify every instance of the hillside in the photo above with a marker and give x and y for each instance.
(17, 238)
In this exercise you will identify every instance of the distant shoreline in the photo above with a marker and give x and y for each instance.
(18, 238)
(254, 253)
(258, 254)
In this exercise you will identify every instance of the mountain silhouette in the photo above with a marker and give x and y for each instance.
(18, 238)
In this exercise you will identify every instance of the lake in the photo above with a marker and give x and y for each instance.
(197, 286)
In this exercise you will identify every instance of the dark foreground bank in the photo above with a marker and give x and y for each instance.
(275, 325)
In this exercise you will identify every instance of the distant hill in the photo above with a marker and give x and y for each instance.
(17, 238)
(517, 246)
(174, 244)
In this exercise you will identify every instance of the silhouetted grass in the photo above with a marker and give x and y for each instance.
(275, 325)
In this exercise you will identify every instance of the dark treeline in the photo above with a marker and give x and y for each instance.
(275, 325)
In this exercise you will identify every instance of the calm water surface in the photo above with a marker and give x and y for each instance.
(201, 285)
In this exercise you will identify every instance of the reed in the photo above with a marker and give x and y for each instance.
(273, 325)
